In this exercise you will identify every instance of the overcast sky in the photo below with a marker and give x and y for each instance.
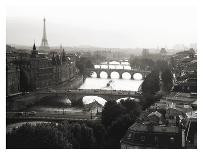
(102, 25)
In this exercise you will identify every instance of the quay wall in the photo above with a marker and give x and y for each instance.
(21, 103)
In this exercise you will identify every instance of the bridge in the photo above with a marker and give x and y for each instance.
(109, 71)
(75, 95)
(116, 59)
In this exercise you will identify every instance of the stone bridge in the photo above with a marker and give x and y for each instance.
(75, 95)
(119, 71)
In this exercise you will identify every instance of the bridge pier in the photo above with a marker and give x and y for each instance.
(108, 75)
(98, 74)
(120, 75)
(132, 78)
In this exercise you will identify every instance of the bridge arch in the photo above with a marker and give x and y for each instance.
(107, 72)
(126, 75)
(94, 74)
(115, 75)
(137, 76)
(89, 99)
(103, 74)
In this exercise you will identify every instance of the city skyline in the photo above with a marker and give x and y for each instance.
(103, 26)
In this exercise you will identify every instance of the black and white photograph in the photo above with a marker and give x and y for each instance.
(93, 74)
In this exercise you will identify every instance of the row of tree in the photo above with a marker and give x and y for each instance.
(116, 118)
(83, 63)
(142, 63)
(157, 83)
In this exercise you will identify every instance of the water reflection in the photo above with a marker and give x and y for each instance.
(104, 66)
(119, 67)
(112, 66)
(127, 67)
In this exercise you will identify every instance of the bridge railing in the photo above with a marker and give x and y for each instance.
(93, 92)
(119, 69)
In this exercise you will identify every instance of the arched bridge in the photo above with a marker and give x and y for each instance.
(75, 95)
(144, 73)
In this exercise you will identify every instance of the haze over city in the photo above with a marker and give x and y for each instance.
(108, 26)
(100, 74)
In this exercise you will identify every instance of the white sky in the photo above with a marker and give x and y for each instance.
(122, 24)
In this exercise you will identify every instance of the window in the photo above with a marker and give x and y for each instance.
(142, 138)
(129, 136)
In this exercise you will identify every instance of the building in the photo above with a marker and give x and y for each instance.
(12, 79)
(169, 129)
(12, 72)
(163, 52)
(187, 86)
(39, 70)
(145, 53)
(141, 135)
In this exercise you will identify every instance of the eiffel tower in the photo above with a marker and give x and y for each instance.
(44, 45)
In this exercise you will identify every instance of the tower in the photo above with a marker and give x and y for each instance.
(44, 45)
(34, 51)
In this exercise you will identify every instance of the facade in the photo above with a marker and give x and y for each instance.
(48, 71)
(37, 71)
(12, 80)
(12, 72)
(174, 130)
(42, 73)
(145, 53)
(153, 136)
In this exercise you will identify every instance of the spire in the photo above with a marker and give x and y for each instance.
(34, 47)
(34, 51)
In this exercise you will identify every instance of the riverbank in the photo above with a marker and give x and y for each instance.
(21, 103)
(72, 84)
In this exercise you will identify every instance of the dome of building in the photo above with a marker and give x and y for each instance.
(55, 101)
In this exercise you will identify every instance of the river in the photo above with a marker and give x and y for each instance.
(126, 83)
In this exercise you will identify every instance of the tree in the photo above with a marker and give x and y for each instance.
(131, 105)
(78, 103)
(89, 64)
(41, 136)
(84, 63)
(111, 111)
(167, 78)
(99, 133)
(117, 130)
(150, 87)
(151, 84)
(117, 117)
